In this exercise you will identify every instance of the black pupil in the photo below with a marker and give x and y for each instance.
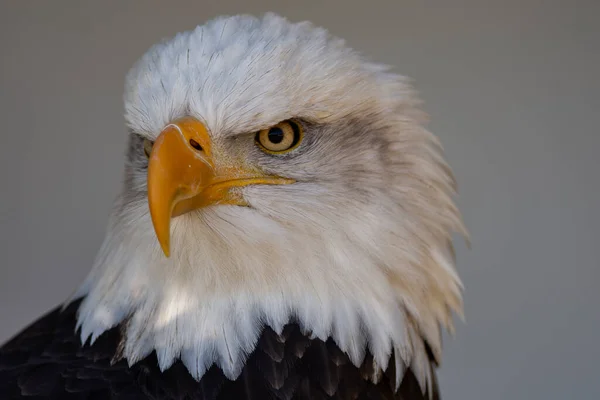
(275, 135)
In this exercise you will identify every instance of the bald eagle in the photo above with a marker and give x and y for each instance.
(283, 232)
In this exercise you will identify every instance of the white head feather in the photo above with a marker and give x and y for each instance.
(358, 250)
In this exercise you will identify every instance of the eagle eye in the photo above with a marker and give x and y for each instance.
(148, 147)
(281, 138)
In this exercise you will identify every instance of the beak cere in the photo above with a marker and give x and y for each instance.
(183, 176)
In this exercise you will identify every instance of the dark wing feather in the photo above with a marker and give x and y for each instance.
(47, 361)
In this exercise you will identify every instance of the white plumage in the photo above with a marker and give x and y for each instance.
(359, 249)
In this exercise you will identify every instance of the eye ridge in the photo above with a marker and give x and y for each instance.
(280, 138)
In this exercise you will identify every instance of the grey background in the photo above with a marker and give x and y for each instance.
(513, 91)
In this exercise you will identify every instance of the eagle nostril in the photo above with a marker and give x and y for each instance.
(195, 145)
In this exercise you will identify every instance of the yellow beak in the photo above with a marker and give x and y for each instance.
(184, 176)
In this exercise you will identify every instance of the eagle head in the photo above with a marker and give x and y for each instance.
(274, 175)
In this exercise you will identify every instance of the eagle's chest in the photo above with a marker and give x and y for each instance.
(46, 360)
